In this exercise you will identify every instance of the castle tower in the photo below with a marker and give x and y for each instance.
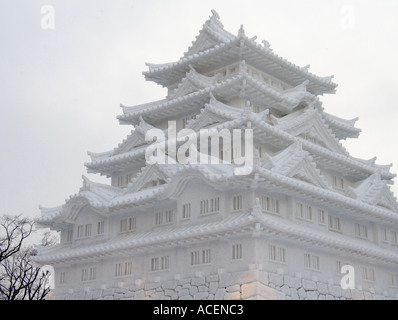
(248, 192)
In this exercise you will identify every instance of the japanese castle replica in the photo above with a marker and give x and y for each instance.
(282, 229)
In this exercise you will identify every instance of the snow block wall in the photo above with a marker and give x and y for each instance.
(253, 284)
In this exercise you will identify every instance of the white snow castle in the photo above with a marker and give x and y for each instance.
(285, 229)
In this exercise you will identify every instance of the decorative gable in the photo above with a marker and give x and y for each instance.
(375, 191)
(387, 199)
(132, 141)
(192, 82)
(204, 119)
(135, 139)
(296, 163)
(150, 176)
(212, 33)
(307, 124)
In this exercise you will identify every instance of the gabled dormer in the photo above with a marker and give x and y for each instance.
(307, 124)
(214, 112)
(296, 163)
(192, 82)
(150, 176)
(211, 34)
(375, 191)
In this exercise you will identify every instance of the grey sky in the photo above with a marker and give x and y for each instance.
(61, 89)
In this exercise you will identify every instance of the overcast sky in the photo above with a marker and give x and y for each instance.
(60, 88)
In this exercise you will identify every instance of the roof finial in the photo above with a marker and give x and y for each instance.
(248, 107)
(256, 209)
(267, 45)
(243, 66)
(328, 79)
(215, 14)
(241, 31)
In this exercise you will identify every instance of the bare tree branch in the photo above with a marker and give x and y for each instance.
(19, 278)
(13, 231)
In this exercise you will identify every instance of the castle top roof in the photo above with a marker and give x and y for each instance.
(214, 46)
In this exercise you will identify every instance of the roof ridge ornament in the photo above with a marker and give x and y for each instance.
(241, 32)
(248, 108)
(328, 78)
(214, 15)
(267, 46)
(256, 210)
(243, 67)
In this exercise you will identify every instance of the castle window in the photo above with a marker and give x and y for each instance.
(303, 211)
(215, 204)
(384, 235)
(127, 224)
(87, 230)
(321, 216)
(160, 263)
(277, 254)
(62, 277)
(124, 180)
(84, 230)
(158, 218)
(195, 258)
(168, 216)
(163, 217)
(270, 204)
(237, 251)
(186, 210)
(206, 256)
(334, 223)
(311, 261)
(368, 274)
(361, 231)
(200, 257)
(100, 227)
(80, 231)
(210, 205)
(339, 265)
(123, 269)
(204, 206)
(394, 237)
(338, 182)
(88, 274)
(237, 203)
(69, 235)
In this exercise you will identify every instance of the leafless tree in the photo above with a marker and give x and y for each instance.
(20, 279)
(13, 231)
(49, 239)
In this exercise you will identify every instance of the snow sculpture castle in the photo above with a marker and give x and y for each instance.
(197, 231)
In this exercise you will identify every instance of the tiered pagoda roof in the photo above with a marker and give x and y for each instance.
(290, 118)
(214, 46)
